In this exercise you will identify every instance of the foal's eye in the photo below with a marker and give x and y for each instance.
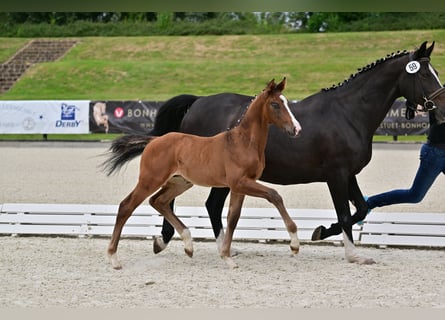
(275, 105)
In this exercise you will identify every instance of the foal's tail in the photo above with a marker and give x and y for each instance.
(171, 113)
(123, 150)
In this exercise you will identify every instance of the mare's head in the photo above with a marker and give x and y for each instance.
(277, 109)
(420, 83)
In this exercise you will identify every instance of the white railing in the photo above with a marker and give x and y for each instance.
(381, 229)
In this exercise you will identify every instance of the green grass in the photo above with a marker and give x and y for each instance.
(9, 46)
(157, 68)
(160, 67)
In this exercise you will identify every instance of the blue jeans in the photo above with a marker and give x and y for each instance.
(432, 163)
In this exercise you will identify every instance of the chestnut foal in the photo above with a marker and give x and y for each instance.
(234, 159)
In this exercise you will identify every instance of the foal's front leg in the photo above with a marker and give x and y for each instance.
(255, 189)
(236, 202)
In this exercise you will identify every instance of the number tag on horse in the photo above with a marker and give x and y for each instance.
(412, 67)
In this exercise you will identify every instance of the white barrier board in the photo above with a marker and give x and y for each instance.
(39, 116)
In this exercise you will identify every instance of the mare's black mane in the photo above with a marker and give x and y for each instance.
(367, 68)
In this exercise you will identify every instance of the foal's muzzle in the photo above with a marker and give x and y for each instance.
(293, 130)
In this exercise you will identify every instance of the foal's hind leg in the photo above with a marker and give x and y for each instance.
(236, 202)
(126, 208)
(161, 202)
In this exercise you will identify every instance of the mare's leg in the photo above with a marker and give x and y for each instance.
(126, 208)
(215, 205)
(161, 202)
(356, 197)
(252, 188)
(236, 202)
(338, 187)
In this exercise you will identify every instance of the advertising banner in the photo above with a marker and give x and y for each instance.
(44, 117)
(396, 124)
(136, 117)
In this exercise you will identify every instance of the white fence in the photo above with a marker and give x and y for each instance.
(380, 229)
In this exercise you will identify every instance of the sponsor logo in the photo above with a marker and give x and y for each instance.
(67, 117)
(119, 112)
(28, 123)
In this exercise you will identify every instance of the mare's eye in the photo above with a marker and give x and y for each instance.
(275, 105)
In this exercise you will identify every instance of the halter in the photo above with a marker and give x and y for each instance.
(428, 104)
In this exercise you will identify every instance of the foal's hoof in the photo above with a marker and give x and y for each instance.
(158, 244)
(115, 262)
(316, 235)
(295, 250)
(188, 252)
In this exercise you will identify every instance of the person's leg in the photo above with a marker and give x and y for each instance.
(431, 165)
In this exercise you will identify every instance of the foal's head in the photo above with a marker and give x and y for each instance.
(277, 108)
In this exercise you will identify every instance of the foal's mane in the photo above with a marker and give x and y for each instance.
(367, 68)
(244, 111)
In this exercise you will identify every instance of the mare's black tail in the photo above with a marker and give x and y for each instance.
(123, 150)
(170, 114)
(128, 147)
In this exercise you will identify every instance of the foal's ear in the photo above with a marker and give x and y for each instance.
(280, 87)
(271, 85)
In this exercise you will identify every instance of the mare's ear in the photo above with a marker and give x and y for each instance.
(419, 53)
(430, 49)
(280, 87)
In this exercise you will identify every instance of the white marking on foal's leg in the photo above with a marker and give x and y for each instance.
(115, 261)
(186, 236)
(294, 242)
(351, 253)
(158, 244)
(219, 242)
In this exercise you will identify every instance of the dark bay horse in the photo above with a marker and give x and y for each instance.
(336, 143)
(234, 159)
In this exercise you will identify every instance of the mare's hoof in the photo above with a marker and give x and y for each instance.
(316, 235)
(158, 244)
